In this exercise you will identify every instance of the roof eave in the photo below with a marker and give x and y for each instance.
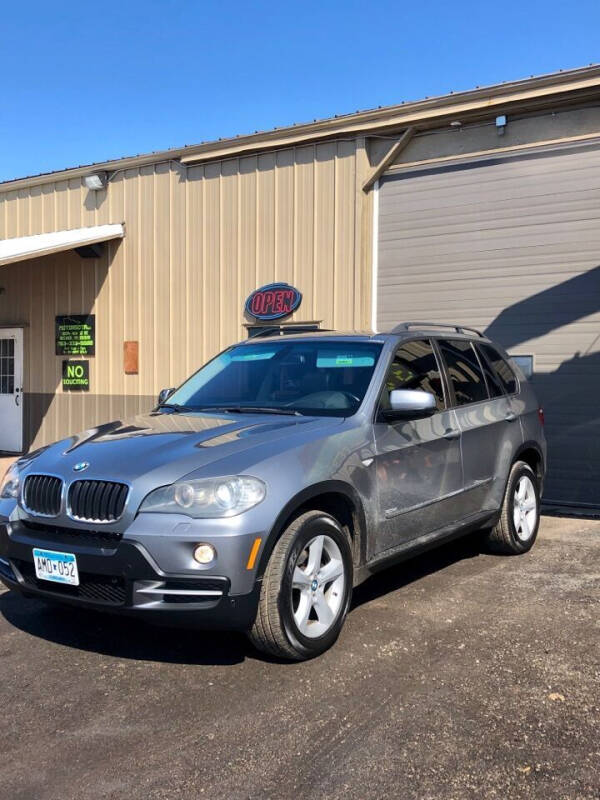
(422, 113)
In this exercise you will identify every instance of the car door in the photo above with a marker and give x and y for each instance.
(489, 429)
(418, 462)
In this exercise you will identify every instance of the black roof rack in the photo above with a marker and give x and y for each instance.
(405, 326)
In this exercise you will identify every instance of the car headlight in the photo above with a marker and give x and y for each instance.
(208, 497)
(9, 488)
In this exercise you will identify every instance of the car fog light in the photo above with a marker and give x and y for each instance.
(205, 553)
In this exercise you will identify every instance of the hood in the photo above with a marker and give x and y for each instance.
(166, 446)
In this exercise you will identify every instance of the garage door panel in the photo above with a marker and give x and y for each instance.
(453, 204)
(563, 262)
(522, 220)
(513, 247)
(486, 236)
(502, 170)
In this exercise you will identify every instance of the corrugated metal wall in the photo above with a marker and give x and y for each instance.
(512, 247)
(198, 241)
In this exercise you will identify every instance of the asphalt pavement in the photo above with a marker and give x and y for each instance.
(457, 675)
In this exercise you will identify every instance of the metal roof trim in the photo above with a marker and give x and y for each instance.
(362, 122)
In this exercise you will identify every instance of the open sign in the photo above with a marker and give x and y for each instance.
(273, 301)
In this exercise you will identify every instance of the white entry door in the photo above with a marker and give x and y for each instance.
(11, 390)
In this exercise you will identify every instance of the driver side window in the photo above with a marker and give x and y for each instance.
(414, 367)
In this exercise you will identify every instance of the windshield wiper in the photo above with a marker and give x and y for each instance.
(175, 407)
(254, 410)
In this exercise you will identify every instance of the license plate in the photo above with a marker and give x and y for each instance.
(57, 567)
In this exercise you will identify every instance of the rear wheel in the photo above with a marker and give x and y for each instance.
(306, 589)
(517, 528)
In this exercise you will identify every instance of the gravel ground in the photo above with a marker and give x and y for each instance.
(458, 675)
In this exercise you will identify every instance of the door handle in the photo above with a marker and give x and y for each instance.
(510, 416)
(17, 390)
(451, 433)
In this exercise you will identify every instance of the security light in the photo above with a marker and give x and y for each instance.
(96, 181)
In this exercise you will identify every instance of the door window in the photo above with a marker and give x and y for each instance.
(464, 371)
(414, 367)
(7, 366)
(501, 367)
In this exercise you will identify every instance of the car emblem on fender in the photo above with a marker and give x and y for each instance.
(81, 466)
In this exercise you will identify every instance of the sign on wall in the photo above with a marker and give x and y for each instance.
(273, 301)
(76, 376)
(75, 335)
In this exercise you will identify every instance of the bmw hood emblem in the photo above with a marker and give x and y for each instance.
(81, 466)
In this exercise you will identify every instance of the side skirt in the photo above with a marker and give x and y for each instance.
(428, 541)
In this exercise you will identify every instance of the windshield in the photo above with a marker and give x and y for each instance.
(306, 377)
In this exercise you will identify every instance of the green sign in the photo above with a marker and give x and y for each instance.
(76, 335)
(76, 376)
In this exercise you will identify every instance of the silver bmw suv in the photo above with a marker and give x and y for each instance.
(279, 476)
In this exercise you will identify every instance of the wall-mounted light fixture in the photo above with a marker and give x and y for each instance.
(96, 181)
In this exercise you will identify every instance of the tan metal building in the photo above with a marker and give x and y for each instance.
(480, 206)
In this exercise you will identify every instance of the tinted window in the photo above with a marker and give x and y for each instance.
(324, 378)
(464, 371)
(500, 366)
(414, 367)
(494, 385)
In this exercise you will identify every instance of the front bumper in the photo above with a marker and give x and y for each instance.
(120, 575)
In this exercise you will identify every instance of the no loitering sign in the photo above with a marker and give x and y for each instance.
(76, 376)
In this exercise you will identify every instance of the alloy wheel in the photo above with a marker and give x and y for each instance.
(525, 508)
(318, 586)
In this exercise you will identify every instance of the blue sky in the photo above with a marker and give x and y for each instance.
(90, 81)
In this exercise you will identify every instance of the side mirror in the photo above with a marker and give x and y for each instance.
(409, 404)
(164, 395)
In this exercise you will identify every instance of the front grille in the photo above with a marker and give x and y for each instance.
(42, 494)
(105, 589)
(97, 501)
(68, 536)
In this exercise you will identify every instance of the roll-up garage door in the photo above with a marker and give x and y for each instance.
(510, 246)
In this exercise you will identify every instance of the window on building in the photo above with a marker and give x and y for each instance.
(464, 371)
(525, 364)
(414, 367)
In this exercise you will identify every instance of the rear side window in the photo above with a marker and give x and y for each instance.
(501, 367)
(464, 371)
(414, 367)
(494, 384)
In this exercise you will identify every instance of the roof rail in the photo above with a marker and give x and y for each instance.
(405, 326)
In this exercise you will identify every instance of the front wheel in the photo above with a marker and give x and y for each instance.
(517, 528)
(306, 589)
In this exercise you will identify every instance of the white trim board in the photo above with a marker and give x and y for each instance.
(24, 247)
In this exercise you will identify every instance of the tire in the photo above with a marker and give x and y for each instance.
(303, 604)
(517, 528)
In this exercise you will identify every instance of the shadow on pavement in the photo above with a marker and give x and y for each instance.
(407, 572)
(129, 638)
(122, 637)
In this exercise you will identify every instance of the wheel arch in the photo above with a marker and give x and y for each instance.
(337, 498)
(531, 453)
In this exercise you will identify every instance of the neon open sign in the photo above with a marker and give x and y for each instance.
(273, 301)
